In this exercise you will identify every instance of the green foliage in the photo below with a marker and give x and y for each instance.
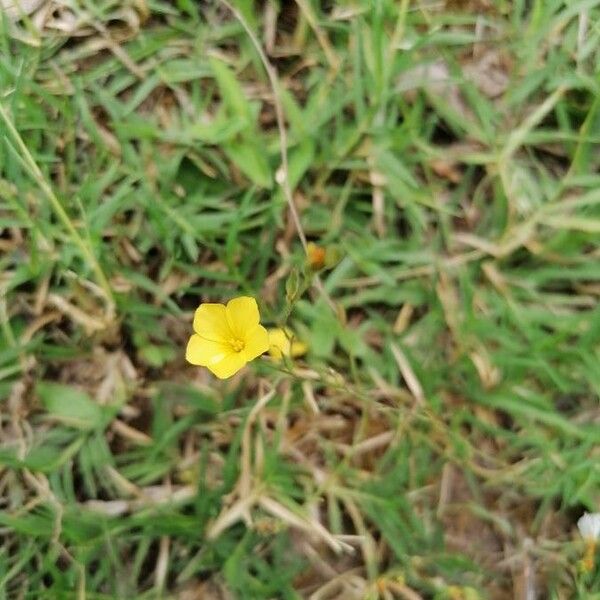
(444, 421)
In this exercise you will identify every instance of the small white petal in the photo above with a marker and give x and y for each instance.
(589, 526)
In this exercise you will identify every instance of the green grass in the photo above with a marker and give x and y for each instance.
(440, 438)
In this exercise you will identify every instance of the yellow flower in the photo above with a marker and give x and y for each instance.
(227, 337)
(282, 343)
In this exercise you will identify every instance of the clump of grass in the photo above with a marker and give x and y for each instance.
(439, 439)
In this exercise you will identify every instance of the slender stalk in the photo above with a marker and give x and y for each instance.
(36, 173)
(283, 180)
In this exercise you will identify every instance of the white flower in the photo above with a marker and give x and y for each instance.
(589, 526)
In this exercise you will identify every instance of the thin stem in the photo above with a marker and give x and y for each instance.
(58, 208)
(283, 180)
(272, 74)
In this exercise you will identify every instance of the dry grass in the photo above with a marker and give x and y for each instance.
(440, 438)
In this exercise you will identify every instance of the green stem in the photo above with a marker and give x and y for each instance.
(36, 173)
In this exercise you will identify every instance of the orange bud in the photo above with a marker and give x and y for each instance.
(316, 256)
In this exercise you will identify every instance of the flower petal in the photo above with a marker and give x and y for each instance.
(203, 352)
(279, 344)
(210, 322)
(283, 342)
(242, 314)
(257, 342)
(298, 348)
(230, 365)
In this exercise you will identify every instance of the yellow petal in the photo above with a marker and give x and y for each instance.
(279, 344)
(203, 352)
(282, 342)
(257, 342)
(210, 322)
(230, 365)
(298, 348)
(243, 316)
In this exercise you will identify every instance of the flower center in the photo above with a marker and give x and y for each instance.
(237, 345)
